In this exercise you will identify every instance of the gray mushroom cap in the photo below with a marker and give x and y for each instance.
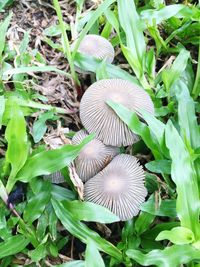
(97, 117)
(93, 157)
(55, 177)
(118, 187)
(98, 47)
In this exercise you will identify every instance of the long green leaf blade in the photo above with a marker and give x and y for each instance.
(82, 232)
(16, 136)
(170, 256)
(47, 162)
(185, 178)
(12, 246)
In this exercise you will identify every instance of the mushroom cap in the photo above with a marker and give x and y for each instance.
(93, 157)
(97, 117)
(56, 177)
(98, 47)
(118, 187)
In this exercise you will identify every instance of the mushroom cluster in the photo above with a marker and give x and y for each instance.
(113, 180)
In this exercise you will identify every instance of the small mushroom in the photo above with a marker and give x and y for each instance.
(97, 117)
(98, 47)
(56, 177)
(118, 187)
(93, 157)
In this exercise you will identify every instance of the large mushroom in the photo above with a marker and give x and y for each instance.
(93, 157)
(97, 117)
(118, 187)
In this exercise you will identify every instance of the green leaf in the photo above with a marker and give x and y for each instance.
(91, 64)
(184, 175)
(82, 232)
(186, 115)
(138, 127)
(87, 211)
(131, 24)
(91, 254)
(157, 128)
(170, 256)
(177, 235)
(55, 30)
(5, 3)
(143, 222)
(2, 108)
(36, 69)
(36, 205)
(18, 147)
(3, 30)
(50, 161)
(61, 193)
(170, 76)
(164, 13)
(39, 253)
(163, 208)
(159, 166)
(40, 127)
(12, 246)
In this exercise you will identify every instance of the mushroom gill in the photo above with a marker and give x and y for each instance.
(118, 187)
(97, 117)
(93, 157)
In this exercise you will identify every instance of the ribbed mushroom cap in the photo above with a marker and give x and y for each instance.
(93, 157)
(97, 117)
(98, 47)
(55, 177)
(118, 187)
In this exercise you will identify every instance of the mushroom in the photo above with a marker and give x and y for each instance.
(56, 177)
(118, 187)
(93, 157)
(98, 47)
(97, 117)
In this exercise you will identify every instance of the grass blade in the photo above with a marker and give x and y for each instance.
(3, 30)
(36, 69)
(185, 178)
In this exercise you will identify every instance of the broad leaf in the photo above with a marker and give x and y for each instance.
(18, 146)
(170, 256)
(88, 211)
(13, 245)
(177, 235)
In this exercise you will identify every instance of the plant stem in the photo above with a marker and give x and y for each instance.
(196, 88)
(66, 45)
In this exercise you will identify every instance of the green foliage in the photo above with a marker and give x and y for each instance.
(157, 48)
(170, 256)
